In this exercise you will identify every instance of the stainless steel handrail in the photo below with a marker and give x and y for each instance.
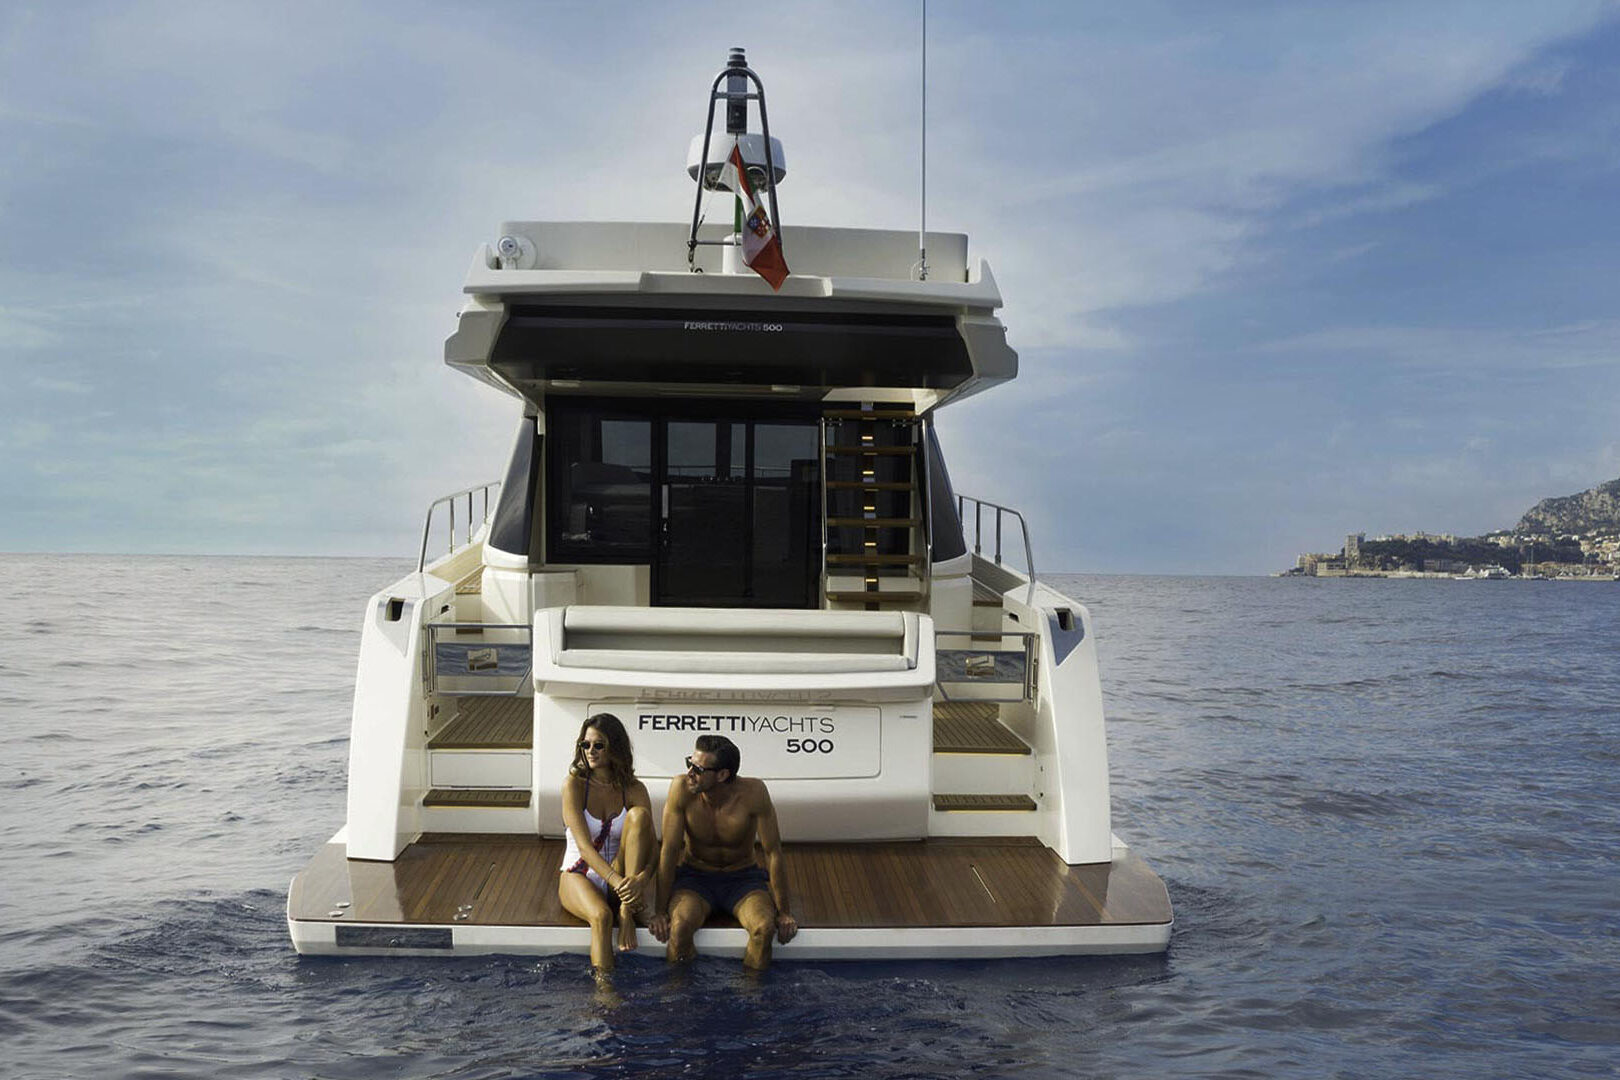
(472, 528)
(978, 532)
(925, 508)
(821, 449)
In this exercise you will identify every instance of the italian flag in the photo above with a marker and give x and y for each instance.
(762, 248)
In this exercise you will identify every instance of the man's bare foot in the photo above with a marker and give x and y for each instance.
(627, 928)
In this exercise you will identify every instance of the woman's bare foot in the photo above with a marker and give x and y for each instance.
(627, 928)
(605, 995)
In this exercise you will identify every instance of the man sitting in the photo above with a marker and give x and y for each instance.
(711, 819)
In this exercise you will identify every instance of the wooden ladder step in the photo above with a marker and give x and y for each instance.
(874, 560)
(869, 485)
(831, 449)
(877, 523)
(492, 797)
(984, 803)
(472, 584)
(869, 414)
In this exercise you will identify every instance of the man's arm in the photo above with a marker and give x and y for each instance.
(669, 855)
(770, 838)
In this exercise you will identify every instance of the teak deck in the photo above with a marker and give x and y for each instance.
(972, 727)
(489, 723)
(494, 880)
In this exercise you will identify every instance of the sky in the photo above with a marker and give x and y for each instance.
(1275, 272)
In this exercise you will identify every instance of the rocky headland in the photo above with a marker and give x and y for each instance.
(1566, 536)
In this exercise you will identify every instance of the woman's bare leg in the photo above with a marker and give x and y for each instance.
(637, 846)
(581, 898)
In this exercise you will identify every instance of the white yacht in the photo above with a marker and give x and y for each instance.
(726, 510)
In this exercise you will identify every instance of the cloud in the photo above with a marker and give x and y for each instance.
(244, 226)
(1470, 351)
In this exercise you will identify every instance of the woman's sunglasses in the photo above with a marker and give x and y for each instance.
(586, 744)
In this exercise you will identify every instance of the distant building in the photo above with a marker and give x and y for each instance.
(1352, 546)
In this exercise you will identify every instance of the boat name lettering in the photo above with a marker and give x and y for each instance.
(735, 722)
(726, 324)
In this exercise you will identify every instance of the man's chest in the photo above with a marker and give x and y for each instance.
(724, 824)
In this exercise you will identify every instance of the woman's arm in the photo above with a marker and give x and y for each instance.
(573, 798)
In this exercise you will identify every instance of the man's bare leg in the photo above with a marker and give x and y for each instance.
(636, 851)
(687, 912)
(756, 912)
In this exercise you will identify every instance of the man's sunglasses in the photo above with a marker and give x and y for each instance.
(586, 744)
(694, 767)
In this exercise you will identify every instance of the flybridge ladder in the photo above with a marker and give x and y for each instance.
(876, 545)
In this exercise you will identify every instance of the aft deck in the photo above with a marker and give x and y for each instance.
(939, 897)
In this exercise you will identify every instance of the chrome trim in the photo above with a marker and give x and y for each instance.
(978, 533)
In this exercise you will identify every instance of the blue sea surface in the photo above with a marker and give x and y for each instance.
(1388, 814)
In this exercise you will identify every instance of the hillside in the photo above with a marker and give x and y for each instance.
(1594, 510)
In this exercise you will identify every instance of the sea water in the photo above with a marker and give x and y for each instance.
(1387, 812)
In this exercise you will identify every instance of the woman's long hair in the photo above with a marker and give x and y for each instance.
(621, 759)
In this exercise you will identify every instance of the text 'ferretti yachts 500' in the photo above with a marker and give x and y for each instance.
(726, 513)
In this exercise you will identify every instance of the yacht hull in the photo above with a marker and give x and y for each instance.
(956, 898)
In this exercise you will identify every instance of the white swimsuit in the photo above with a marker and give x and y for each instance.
(605, 837)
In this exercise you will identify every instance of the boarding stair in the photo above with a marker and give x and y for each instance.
(875, 541)
(986, 780)
(480, 720)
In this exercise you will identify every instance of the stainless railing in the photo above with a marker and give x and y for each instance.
(923, 497)
(472, 525)
(979, 507)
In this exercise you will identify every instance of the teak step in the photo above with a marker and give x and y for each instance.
(869, 414)
(495, 797)
(991, 803)
(972, 727)
(869, 485)
(876, 523)
(831, 449)
(472, 584)
(874, 560)
(489, 723)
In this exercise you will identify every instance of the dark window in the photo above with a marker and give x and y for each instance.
(600, 506)
(786, 482)
(514, 512)
(942, 516)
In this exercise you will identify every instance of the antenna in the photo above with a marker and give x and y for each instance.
(922, 223)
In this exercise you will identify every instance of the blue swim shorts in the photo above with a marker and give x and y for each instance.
(721, 890)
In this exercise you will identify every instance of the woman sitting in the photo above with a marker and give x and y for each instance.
(608, 862)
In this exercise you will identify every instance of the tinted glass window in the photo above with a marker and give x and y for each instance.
(514, 513)
(942, 516)
(600, 504)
